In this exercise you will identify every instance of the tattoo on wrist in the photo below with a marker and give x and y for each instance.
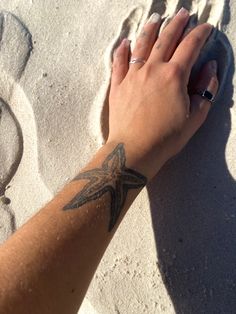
(112, 177)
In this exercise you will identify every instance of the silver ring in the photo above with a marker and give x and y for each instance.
(207, 95)
(137, 60)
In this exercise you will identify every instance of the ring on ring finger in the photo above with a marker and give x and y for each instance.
(206, 94)
(145, 42)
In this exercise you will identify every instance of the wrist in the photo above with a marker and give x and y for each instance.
(145, 161)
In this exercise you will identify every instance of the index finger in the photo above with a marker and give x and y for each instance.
(188, 51)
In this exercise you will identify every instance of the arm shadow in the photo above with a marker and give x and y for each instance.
(193, 208)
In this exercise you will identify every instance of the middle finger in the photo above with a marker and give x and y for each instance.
(169, 38)
(189, 49)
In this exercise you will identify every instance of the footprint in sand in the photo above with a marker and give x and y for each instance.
(15, 48)
(217, 47)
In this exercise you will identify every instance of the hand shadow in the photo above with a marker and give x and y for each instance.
(193, 208)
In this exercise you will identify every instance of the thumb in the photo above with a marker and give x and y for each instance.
(200, 106)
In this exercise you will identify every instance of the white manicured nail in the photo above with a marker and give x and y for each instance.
(125, 42)
(183, 12)
(154, 18)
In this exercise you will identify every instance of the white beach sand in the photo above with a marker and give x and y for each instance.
(54, 74)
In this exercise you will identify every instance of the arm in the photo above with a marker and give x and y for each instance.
(50, 261)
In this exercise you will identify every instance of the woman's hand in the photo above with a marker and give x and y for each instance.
(150, 108)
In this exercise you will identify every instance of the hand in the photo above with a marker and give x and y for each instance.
(149, 105)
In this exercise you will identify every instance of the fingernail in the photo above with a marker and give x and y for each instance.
(125, 42)
(213, 66)
(183, 12)
(154, 18)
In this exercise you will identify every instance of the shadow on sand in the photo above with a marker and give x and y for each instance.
(193, 207)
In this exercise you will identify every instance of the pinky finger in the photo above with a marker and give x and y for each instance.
(120, 65)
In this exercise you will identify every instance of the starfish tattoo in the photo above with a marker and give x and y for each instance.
(112, 177)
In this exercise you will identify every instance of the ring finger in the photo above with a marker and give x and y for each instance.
(145, 42)
(200, 106)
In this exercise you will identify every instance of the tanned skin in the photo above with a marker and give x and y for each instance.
(47, 265)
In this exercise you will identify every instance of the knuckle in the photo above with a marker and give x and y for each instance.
(141, 43)
(118, 64)
(115, 65)
(174, 72)
(117, 56)
(194, 40)
(168, 36)
(113, 69)
(145, 34)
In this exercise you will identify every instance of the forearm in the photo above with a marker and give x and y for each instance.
(47, 265)
(50, 261)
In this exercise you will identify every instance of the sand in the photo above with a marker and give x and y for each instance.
(175, 250)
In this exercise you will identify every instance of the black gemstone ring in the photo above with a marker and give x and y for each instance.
(207, 95)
